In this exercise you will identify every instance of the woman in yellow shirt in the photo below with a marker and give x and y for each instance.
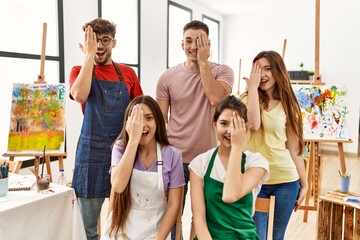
(276, 124)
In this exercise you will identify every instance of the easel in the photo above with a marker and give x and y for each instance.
(314, 163)
(314, 170)
(60, 156)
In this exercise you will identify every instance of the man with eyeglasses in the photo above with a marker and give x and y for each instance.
(104, 89)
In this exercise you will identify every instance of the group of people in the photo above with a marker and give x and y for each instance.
(141, 151)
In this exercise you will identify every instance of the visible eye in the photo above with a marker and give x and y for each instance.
(106, 41)
(149, 118)
(267, 69)
(224, 124)
(188, 41)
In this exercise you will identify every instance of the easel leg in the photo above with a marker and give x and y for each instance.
(36, 165)
(309, 172)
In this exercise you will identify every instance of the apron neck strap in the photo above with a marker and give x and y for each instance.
(159, 164)
(117, 71)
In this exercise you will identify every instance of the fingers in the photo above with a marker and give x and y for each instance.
(237, 122)
(201, 40)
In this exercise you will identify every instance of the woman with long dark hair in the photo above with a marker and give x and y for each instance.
(146, 176)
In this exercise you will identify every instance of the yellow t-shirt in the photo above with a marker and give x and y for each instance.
(273, 148)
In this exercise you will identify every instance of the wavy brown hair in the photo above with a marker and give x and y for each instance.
(283, 92)
(101, 26)
(121, 202)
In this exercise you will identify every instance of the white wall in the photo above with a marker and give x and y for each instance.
(73, 34)
(266, 29)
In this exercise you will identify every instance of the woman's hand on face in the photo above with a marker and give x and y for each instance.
(255, 76)
(135, 123)
(238, 130)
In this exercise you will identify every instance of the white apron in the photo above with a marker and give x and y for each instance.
(148, 205)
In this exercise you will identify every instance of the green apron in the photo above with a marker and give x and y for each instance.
(227, 220)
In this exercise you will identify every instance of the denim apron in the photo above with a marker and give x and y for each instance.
(227, 220)
(103, 120)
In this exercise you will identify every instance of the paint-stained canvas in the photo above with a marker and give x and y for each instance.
(37, 118)
(324, 109)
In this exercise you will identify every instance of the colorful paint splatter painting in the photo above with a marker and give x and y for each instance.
(37, 118)
(324, 110)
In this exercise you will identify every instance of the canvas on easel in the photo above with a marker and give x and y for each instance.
(324, 109)
(37, 118)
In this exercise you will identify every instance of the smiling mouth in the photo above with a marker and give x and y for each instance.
(145, 133)
(100, 53)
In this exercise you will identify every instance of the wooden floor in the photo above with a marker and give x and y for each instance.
(297, 229)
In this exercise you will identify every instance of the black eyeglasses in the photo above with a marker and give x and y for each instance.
(105, 40)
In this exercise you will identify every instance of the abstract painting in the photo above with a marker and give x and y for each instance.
(37, 118)
(324, 110)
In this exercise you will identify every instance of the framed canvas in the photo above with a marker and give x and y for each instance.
(37, 118)
(324, 110)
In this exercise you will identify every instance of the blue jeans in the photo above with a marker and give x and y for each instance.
(285, 198)
(187, 178)
(90, 211)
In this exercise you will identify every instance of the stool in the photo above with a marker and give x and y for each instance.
(336, 218)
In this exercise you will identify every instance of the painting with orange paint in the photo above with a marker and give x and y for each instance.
(37, 118)
(324, 110)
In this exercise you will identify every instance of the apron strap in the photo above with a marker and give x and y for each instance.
(211, 163)
(118, 71)
(159, 164)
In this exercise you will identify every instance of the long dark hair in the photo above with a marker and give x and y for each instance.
(233, 103)
(121, 202)
(283, 92)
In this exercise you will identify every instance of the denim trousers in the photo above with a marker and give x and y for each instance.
(187, 178)
(285, 199)
(90, 211)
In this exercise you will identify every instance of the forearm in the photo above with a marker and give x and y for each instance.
(253, 109)
(213, 89)
(168, 221)
(201, 230)
(81, 88)
(198, 207)
(300, 167)
(121, 173)
(232, 190)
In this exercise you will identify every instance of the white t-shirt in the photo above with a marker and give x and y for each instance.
(200, 164)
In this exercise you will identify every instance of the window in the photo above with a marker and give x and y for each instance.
(126, 15)
(21, 46)
(214, 36)
(177, 18)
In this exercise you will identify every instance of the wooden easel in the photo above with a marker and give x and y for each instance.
(314, 170)
(314, 163)
(60, 156)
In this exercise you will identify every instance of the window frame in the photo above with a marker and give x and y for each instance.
(181, 7)
(137, 65)
(218, 36)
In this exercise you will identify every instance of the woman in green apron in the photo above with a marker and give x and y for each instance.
(224, 181)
